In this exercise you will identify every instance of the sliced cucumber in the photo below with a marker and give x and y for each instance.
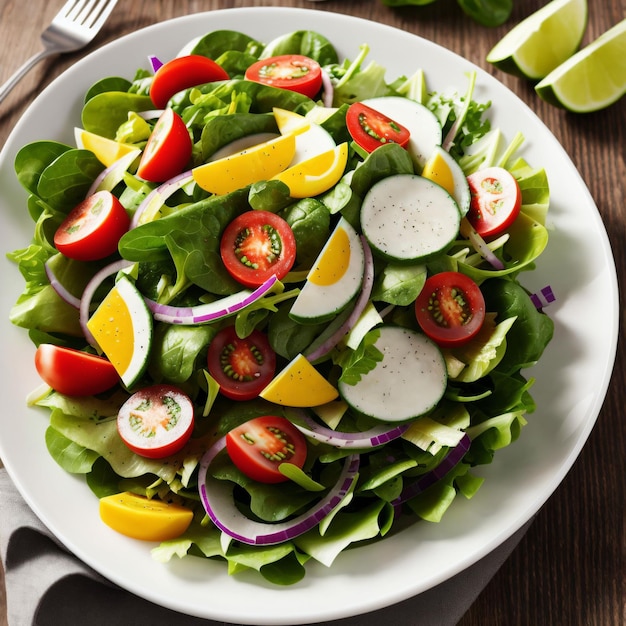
(418, 119)
(409, 381)
(408, 218)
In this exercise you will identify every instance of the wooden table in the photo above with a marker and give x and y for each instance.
(570, 569)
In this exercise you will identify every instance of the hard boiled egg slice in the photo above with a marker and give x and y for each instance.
(442, 169)
(260, 162)
(314, 176)
(123, 328)
(107, 151)
(311, 138)
(299, 384)
(335, 278)
(241, 144)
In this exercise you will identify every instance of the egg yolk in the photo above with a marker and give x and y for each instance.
(333, 264)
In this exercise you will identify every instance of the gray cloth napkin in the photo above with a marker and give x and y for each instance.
(48, 586)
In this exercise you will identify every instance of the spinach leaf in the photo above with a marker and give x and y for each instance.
(335, 125)
(176, 350)
(510, 393)
(221, 130)
(105, 112)
(287, 337)
(403, 3)
(269, 195)
(532, 330)
(217, 42)
(306, 42)
(32, 160)
(387, 160)
(65, 182)
(487, 12)
(399, 284)
(310, 222)
(112, 83)
(191, 237)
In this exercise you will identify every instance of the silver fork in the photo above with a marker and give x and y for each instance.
(72, 28)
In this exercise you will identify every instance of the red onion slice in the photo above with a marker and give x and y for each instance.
(543, 297)
(155, 62)
(160, 194)
(211, 311)
(375, 436)
(61, 290)
(217, 499)
(359, 307)
(112, 175)
(152, 114)
(328, 91)
(90, 289)
(480, 245)
(450, 461)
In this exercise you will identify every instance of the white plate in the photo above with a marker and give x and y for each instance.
(571, 380)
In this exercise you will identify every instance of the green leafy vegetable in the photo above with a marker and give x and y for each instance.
(486, 12)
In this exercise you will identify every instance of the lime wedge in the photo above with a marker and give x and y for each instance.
(542, 41)
(593, 78)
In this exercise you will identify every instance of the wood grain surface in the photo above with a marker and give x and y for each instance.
(570, 568)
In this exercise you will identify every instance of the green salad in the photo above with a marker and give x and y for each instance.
(277, 299)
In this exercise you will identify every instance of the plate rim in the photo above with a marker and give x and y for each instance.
(609, 365)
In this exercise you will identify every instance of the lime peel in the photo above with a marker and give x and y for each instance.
(593, 78)
(542, 41)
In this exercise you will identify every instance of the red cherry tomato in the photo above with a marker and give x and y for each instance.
(93, 228)
(242, 367)
(294, 72)
(157, 421)
(450, 309)
(370, 128)
(257, 245)
(260, 445)
(496, 200)
(73, 372)
(168, 149)
(181, 73)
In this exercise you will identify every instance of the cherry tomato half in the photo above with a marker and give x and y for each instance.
(294, 72)
(242, 367)
(73, 372)
(168, 149)
(496, 200)
(157, 421)
(257, 245)
(450, 309)
(370, 128)
(181, 73)
(260, 445)
(92, 229)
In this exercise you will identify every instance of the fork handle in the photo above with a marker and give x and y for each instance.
(22, 71)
